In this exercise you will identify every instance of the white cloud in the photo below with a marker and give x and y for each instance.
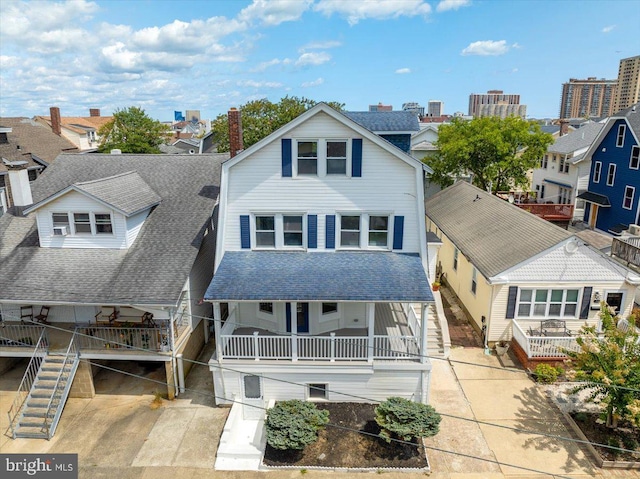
(316, 82)
(486, 48)
(608, 28)
(514, 70)
(403, 71)
(446, 5)
(259, 84)
(260, 67)
(357, 10)
(320, 45)
(274, 12)
(313, 58)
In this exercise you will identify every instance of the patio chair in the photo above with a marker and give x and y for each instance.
(44, 314)
(107, 315)
(26, 312)
(147, 318)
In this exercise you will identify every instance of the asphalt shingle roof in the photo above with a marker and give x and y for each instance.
(152, 271)
(335, 276)
(385, 121)
(575, 140)
(491, 233)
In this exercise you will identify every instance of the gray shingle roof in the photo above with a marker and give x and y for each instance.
(632, 114)
(335, 276)
(385, 121)
(577, 139)
(491, 233)
(152, 271)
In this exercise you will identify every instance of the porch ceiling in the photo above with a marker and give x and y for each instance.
(301, 276)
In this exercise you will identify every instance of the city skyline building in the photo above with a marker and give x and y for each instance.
(496, 103)
(628, 91)
(435, 108)
(592, 97)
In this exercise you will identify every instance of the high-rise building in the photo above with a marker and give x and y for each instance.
(628, 92)
(496, 103)
(380, 107)
(435, 108)
(413, 107)
(193, 115)
(587, 98)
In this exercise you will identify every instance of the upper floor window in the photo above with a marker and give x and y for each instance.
(379, 231)
(597, 170)
(103, 223)
(611, 175)
(634, 162)
(620, 137)
(307, 157)
(292, 229)
(545, 162)
(324, 157)
(545, 303)
(564, 166)
(82, 223)
(336, 157)
(279, 230)
(474, 281)
(627, 202)
(265, 231)
(350, 231)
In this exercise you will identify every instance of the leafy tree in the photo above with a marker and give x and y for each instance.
(497, 152)
(294, 424)
(260, 118)
(609, 365)
(406, 420)
(132, 131)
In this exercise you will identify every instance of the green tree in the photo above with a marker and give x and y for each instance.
(406, 420)
(609, 365)
(260, 118)
(497, 152)
(132, 131)
(294, 424)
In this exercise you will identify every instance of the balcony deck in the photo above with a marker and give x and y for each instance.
(538, 345)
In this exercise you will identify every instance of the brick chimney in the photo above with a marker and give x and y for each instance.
(94, 111)
(235, 132)
(564, 127)
(56, 124)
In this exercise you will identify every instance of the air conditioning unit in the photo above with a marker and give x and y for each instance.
(59, 231)
(634, 230)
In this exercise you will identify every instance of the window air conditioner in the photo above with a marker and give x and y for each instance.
(59, 231)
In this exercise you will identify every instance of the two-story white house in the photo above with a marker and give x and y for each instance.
(321, 267)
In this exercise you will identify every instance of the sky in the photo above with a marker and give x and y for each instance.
(177, 55)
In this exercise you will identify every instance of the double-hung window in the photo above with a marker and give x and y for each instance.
(627, 202)
(292, 230)
(378, 231)
(265, 231)
(82, 223)
(350, 231)
(336, 157)
(60, 219)
(103, 223)
(634, 162)
(620, 137)
(545, 303)
(597, 170)
(611, 175)
(308, 158)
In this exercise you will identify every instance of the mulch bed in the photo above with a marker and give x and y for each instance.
(625, 436)
(337, 447)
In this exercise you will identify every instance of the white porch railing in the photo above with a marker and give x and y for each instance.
(543, 346)
(319, 348)
(100, 337)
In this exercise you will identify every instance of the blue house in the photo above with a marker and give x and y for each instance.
(613, 196)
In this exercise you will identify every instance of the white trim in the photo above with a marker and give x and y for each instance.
(597, 165)
(605, 131)
(622, 128)
(613, 177)
(563, 303)
(634, 147)
(624, 197)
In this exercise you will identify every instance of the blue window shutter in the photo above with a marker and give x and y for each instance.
(586, 302)
(330, 239)
(245, 235)
(511, 302)
(398, 231)
(286, 157)
(312, 231)
(356, 157)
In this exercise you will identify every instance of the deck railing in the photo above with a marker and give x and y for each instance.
(544, 346)
(22, 335)
(548, 211)
(627, 249)
(99, 337)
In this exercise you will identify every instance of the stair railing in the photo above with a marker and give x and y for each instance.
(70, 358)
(27, 381)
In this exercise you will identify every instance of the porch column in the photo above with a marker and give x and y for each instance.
(294, 331)
(370, 310)
(424, 320)
(217, 330)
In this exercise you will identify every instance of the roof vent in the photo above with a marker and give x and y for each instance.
(116, 151)
(571, 247)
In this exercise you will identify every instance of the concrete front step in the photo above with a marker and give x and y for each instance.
(31, 431)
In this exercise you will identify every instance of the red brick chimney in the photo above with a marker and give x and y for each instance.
(235, 132)
(56, 124)
(564, 127)
(94, 111)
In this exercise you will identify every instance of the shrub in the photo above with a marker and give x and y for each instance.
(547, 374)
(294, 424)
(406, 420)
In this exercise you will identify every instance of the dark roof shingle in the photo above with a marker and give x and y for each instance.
(385, 121)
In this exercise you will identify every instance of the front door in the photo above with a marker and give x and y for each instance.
(302, 315)
(593, 215)
(614, 300)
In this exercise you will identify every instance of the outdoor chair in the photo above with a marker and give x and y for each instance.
(44, 314)
(26, 312)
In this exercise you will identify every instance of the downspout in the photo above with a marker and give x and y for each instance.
(487, 351)
(173, 356)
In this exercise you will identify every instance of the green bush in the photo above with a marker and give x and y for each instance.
(547, 374)
(406, 420)
(294, 424)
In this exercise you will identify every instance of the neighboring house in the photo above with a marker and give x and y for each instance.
(119, 249)
(423, 141)
(321, 277)
(22, 139)
(394, 126)
(613, 195)
(204, 144)
(564, 172)
(82, 131)
(512, 271)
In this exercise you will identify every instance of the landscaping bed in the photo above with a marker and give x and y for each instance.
(596, 432)
(360, 449)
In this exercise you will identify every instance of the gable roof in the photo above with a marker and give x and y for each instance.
(386, 121)
(127, 193)
(152, 271)
(491, 233)
(79, 124)
(577, 139)
(631, 115)
(340, 117)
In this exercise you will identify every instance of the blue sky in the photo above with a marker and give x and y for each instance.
(212, 55)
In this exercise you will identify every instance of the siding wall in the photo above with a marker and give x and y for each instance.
(256, 185)
(134, 225)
